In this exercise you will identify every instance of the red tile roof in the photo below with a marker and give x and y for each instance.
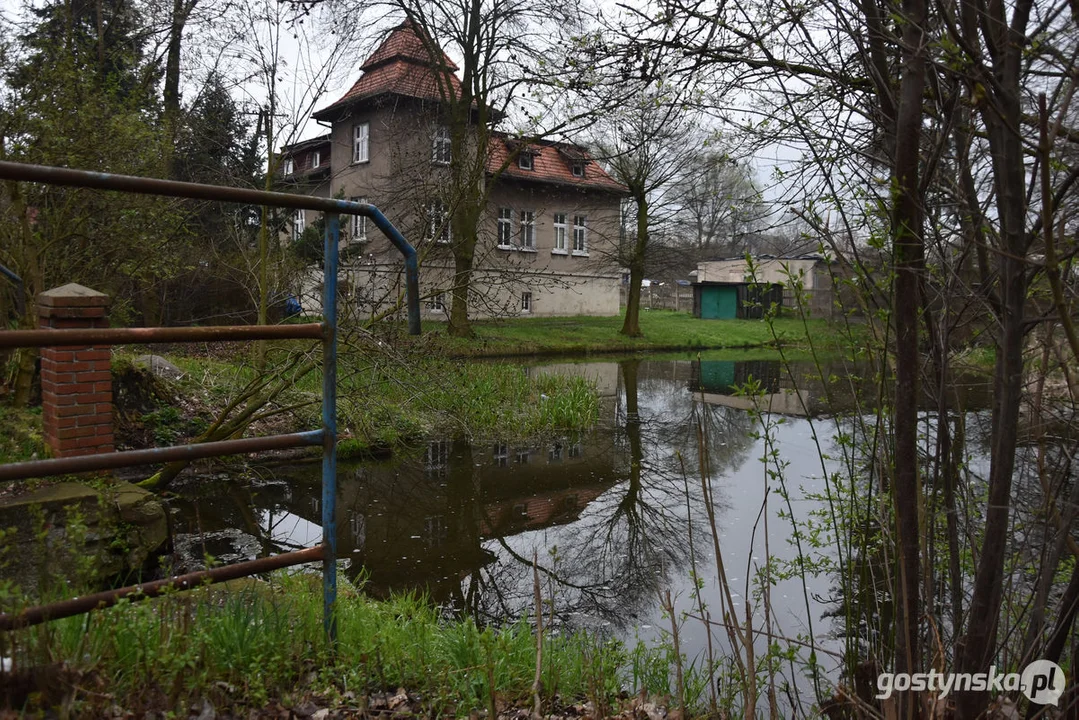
(551, 162)
(404, 43)
(403, 66)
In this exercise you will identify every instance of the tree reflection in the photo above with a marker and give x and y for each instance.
(634, 540)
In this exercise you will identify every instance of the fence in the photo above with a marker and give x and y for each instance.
(326, 331)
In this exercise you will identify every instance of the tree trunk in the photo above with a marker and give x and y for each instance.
(631, 326)
(1001, 114)
(459, 324)
(907, 231)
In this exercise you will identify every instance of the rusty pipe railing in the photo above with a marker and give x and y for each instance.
(154, 456)
(220, 193)
(107, 598)
(123, 336)
(325, 331)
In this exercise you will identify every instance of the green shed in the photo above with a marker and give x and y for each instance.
(728, 301)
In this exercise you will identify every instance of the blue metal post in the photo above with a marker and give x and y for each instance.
(329, 428)
(412, 268)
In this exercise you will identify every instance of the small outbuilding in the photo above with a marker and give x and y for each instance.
(734, 300)
(812, 274)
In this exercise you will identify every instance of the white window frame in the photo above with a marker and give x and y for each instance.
(526, 301)
(290, 166)
(439, 215)
(527, 230)
(560, 233)
(505, 228)
(358, 225)
(580, 235)
(577, 169)
(298, 219)
(438, 302)
(361, 143)
(316, 158)
(525, 161)
(442, 146)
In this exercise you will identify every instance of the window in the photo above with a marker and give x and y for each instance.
(438, 222)
(438, 302)
(526, 302)
(442, 146)
(524, 160)
(297, 224)
(528, 229)
(522, 456)
(580, 240)
(560, 233)
(361, 137)
(575, 450)
(505, 227)
(501, 454)
(554, 453)
(359, 223)
(577, 169)
(290, 167)
(316, 159)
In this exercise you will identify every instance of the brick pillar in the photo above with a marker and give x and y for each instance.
(76, 382)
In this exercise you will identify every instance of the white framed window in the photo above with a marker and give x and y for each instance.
(580, 235)
(524, 161)
(358, 225)
(297, 224)
(438, 218)
(560, 229)
(316, 159)
(554, 453)
(577, 169)
(522, 456)
(528, 230)
(505, 227)
(361, 141)
(442, 146)
(290, 166)
(526, 302)
(438, 302)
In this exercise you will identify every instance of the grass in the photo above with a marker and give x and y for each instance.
(384, 403)
(263, 641)
(20, 434)
(661, 329)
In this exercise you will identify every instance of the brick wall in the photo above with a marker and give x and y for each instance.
(76, 382)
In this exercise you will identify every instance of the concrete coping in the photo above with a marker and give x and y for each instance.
(72, 295)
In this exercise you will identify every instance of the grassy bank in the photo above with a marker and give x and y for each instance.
(262, 643)
(384, 401)
(662, 330)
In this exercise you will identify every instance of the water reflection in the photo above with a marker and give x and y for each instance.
(616, 515)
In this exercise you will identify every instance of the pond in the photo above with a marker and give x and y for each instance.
(616, 516)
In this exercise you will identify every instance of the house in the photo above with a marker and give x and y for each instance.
(548, 228)
(718, 283)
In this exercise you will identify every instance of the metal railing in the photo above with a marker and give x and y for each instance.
(326, 331)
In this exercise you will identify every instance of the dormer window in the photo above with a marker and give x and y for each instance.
(524, 161)
(578, 169)
(316, 159)
(289, 166)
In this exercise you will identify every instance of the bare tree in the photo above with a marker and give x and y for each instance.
(646, 145)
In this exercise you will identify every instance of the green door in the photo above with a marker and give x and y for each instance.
(728, 302)
(719, 302)
(709, 303)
